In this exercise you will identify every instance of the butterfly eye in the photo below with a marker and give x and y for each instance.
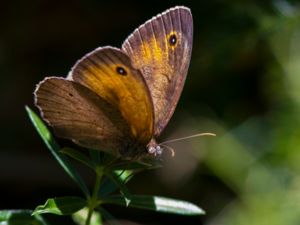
(120, 70)
(173, 39)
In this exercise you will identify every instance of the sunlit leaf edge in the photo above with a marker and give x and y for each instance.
(157, 203)
(61, 206)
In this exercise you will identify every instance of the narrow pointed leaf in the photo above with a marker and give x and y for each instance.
(77, 155)
(96, 157)
(81, 216)
(108, 186)
(20, 217)
(127, 170)
(159, 204)
(123, 189)
(54, 149)
(124, 175)
(61, 206)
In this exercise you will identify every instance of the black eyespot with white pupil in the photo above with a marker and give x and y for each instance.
(173, 39)
(120, 70)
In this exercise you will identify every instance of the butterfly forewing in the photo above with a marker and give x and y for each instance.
(108, 72)
(77, 113)
(161, 49)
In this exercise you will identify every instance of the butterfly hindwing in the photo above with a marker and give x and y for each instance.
(161, 50)
(77, 113)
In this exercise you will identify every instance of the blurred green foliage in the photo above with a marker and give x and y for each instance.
(258, 159)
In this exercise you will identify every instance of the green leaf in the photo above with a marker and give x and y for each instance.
(96, 156)
(77, 155)
(80, 217)
(124, 175)
(108, 186)
(110, 219)
(61, 206)
(54, 149)
(20, 217)
(123, 189)
(156, 203)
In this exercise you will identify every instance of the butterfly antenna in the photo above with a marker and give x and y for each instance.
(169, 148)
(188, 137)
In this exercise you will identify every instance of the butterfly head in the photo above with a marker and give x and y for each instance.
(154, 149)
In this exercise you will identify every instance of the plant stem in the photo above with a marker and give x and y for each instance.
(93, 200)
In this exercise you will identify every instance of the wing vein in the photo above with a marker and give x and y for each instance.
(142, 40)
(165, 34)
(153, 33)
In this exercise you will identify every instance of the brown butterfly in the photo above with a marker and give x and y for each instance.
(120, 100)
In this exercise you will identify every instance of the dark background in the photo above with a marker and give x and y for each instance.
(243, 84)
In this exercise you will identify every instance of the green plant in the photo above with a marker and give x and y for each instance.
(110, 187)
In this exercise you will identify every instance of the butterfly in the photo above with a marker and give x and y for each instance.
(120, 100)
